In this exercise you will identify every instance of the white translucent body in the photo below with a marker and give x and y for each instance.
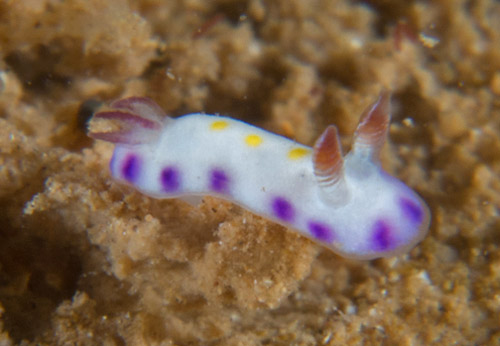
(257, 175)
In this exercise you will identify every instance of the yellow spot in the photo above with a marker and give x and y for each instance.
(219, 125)
(297, 153)
(253, 140)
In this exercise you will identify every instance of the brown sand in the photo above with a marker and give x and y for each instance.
(86, 261)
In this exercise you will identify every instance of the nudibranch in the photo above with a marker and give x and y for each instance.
(347, 203)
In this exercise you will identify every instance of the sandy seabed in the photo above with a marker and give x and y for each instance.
(86, 261)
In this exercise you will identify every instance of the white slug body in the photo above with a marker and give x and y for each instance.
(349, 205)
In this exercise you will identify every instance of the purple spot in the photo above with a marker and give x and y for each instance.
(170, 180)
(382, 236)
(321, 231)
(131, 167)
(283, 209)
(411, 210)
(219, 181)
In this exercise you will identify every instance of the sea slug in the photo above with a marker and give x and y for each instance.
(347, 203)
